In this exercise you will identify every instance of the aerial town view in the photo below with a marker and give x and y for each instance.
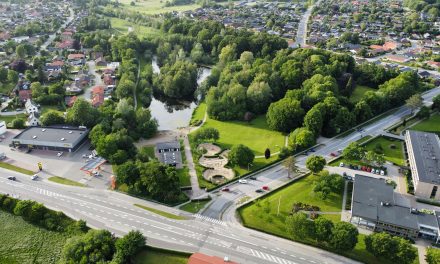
(219, 131)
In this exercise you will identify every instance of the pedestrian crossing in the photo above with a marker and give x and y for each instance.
(265, 256)
(209, 219)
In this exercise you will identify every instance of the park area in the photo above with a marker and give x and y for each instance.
(122, 26)
(429, 125)
(152, 7)
(359, 92)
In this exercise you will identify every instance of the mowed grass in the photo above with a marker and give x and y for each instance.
(394, 155)
(22, 243)
(65, 181)
(255, 134)
(258, 217)
(429, 125)
(359, 92)
(160, 212)
(11, 167)
(199, 112)
(184, 177)
(154, 6)
(122, 26)
(9, 119)
(194, 206)
(154, 256)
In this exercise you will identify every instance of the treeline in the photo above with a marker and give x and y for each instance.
(91, 23)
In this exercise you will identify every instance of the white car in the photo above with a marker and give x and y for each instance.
(382, 173)
(341, 164)
(59, 154)
(34, 177)
(242, 181)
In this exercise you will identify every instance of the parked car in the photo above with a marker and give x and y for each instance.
(333, 154)
(382, 173)
(312, 150)
(225, 190)
(266, 188)
(253, 178)
(341, 164)
(34, 177)
(242, 181)
(12, 178)
(259, 191)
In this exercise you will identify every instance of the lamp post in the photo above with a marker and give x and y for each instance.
(249, 164)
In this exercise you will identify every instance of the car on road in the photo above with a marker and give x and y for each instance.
(382, 173)
(28, 150)
(34, 177)
(259, 191)
(253, 178)
(333, 154)
(341, 164)
(12, 178)
(242, 181)
(225, 190)
(266, 188)
(312, 150)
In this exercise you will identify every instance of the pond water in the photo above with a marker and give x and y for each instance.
(171, 113)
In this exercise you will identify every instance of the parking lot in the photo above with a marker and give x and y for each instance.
(65, 164)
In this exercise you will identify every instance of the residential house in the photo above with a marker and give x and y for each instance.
(433, 64)
(397, 58)
(98, 95)
(70, 100)
(101, 62)
(33, 119)
(67, 35)
(108, 79)
(24, 95)
(31, 107)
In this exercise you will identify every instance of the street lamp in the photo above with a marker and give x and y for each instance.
(249, 164)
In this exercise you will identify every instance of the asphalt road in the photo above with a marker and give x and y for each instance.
(301, 33)
(115, 212)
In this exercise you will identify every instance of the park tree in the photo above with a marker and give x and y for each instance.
(18, 123)
(206, 134)
(327, 183)
(299, 226)
(436, 103)
(323, 229)
(82, 113)
(127, 173)
(97, 246)
(178, 80)
(146, 126)
(197, 53)
(290, 164)
(354, 151)
(424, 112)
(406, 253)
(267, 153)
(12, 76)
(315, 163)
(284, 153)
(414, 102)
(20, 50)
(128, 246)
(433, 255)
(259, 96)
(125, 88)
(227, 54)
(362, 111)
(344, 236)
(313, 121)
(285, 115)
(52, 117)
(3, 74)
(300, 139)
(381, 245)
(246, 58)
(241, 155)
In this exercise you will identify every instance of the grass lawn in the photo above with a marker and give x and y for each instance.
(393, 155)
(162, 213)
(359, 92)
(150, 151)
(429, 125)
(255, 134)
(184, 178)
(198, 113)
(258, 163)
(154, 6)
(8, 166)
(194, 206)
(9, 119)
(122, 26)
(47, 108)
(65, 181)
(154, 255)
(22, 243)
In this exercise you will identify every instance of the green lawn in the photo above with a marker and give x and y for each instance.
(150, 151)
(9, 119)
(255, 134)
(23, 243)
(429, 125)
(198, 113)
(154, 256)
(393, 155)
(65, 181)
(184, 177)
(122, 26)
(154, 6)
(8, 166)
(160, 212)
(47, 108)
(359, 92)
(194, 206)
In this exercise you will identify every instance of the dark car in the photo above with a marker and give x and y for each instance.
(12, 178)
(259, 191)
(225, 189)
(253, 178)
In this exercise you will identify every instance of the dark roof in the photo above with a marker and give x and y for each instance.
(426, 149)
(168, 145)
(52, 134)
(373, 199)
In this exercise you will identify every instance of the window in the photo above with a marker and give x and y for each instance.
(434, 192)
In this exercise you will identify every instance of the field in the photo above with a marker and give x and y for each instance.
(153, 256)
(23, 243)
(359, 92)
(429, 125)
(255, 134)
(154, 6)
(199, 113)
(65, 181)
(122, 26)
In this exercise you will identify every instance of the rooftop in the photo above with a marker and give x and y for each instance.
(199, 258)
(66, 135)
(426, 149)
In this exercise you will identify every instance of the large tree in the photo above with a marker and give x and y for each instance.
(178, 80)
(433, 255)
(354, 151)
(299, 226)
(323, 229)
(285, 115)
(241, 155)
(301, 138)
(259, 96)
(315, 163)
(128, 247)
(414, 102)
(52, 117)
(82, 113)
(344, 236)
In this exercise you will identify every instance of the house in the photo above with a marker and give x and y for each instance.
(424, 159)
(76, 56)
(424, 74)
(70, 100)
(66, 35)
(31, 107)
(397, 58)
(108, 79)
(101, 62)
(374, 206)
(33, 119)
(24, 95)
(4, 36)
(98, 95)
(96, 54)
(433, 64)
(199, 258)
(169, 153)
(65, 44)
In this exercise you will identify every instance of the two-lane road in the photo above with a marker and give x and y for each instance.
(115, 212)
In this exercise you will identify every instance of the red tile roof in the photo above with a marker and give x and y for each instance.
(25, 95)
(199, 258)
(75, 56)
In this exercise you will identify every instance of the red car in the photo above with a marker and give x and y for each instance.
(333, 154)
(225, 189)
(266, 188)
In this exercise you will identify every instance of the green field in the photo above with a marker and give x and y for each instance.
(154, 6)
(160, 212)
(154, 256)
(429, 125)
(184, 177)
(255, 134)
(194, 206)
(9, 119)
(8, 166)
(22, 243)
(122, 26)
(393, 155)
(65, 181)
(199, 113)
(359, 92)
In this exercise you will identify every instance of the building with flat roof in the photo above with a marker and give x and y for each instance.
(66, 139)
(374, 206)
(169, 153)
(424, 159)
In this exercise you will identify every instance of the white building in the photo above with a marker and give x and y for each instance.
(33, 120)
(31, 107)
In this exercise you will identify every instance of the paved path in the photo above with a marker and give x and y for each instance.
(196, 191)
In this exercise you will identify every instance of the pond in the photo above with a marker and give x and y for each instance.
(171, 113)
